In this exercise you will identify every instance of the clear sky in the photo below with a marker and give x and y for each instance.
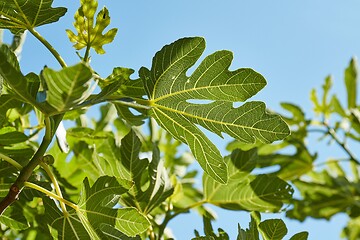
(294, 44)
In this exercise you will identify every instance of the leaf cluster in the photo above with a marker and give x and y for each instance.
(127, 174)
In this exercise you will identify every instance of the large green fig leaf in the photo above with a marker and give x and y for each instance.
(171, 91)
(19, 15)
(67, 87)
(88, 34)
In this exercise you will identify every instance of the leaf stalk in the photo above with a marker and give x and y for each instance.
(48, 46)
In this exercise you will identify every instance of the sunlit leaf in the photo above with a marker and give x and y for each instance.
(99, 211)
(9, 70)
(19, 15)
(89, 35)
(67, 87)
(159, 187)
(273, 229)
(170, 90)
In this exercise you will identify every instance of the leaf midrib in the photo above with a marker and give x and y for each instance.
(157, 107)
(202, 88)
(195, 137)
(170, 66)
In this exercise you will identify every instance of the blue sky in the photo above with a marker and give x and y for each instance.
(294, 44)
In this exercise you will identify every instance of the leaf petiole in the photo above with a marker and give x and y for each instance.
(53, 195)
(11, 161)
(48, 46)
(56, 185)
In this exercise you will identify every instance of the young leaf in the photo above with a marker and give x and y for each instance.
(273, 229)
(88, 34)
(19, 15)
(169, 91)
(68, 87)
(351, 82)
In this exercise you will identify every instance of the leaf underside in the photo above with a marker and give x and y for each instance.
(170, 92)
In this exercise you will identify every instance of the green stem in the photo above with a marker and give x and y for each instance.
(50, 194)
(333, 134)
(143, 104)
(48, 46)
(56, 186)
(87, 53)
(26, 172)
(11, 161)
(35, 160)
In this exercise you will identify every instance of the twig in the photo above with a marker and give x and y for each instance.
(50, 194)
(26, 172)
(333, 134)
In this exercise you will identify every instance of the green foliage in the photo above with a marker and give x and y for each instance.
(244, 190)
(68, 87)
(19, 15)
(271, 229)
(120, 181)
(169, 90)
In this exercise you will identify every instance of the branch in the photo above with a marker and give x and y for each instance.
(26, 172)
(333, 134)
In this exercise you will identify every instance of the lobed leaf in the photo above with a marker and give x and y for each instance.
(159, 187)
(19, 15)
(97, 208)
(88, 34)
(99, 202)
(170, 91)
